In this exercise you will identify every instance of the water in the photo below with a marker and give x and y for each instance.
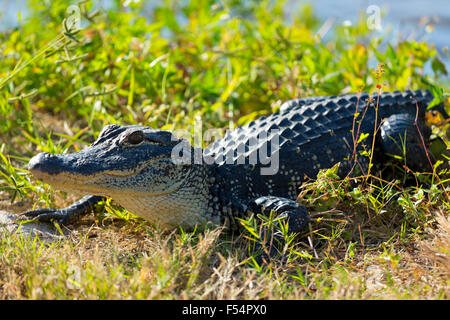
(401, 19)
(10, 11)
(418, 20)
(407, 18)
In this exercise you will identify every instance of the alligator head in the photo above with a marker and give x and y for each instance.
(131, 164)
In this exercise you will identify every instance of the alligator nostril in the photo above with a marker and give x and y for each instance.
(43, 162)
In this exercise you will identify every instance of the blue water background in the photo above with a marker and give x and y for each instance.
(401, 19)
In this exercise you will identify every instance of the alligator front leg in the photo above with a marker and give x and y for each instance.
(295, 215)
(65, 215)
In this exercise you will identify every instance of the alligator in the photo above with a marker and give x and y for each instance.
(256, 168)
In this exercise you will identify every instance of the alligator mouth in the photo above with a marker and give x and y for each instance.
(56, 175)
(68, 182)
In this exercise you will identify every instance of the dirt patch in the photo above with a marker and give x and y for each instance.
(9, 222)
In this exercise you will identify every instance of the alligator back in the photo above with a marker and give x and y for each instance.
(275, 154)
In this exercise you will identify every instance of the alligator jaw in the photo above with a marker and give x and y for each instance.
(178, 203)
(53, 170)
(49, 169)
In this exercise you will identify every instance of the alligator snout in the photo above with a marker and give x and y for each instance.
(45, 163)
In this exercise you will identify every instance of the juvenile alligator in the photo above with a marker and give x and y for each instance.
(161, 178)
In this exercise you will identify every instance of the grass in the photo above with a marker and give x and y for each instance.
(228, 62)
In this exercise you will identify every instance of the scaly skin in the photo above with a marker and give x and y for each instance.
(135, 165)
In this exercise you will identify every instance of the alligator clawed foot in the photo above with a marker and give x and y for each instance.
(47, 215)
(67, 215)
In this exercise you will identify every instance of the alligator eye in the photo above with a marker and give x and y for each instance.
(135, 138)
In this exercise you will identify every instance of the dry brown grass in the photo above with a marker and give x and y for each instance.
(112, 259)
(437, 249)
